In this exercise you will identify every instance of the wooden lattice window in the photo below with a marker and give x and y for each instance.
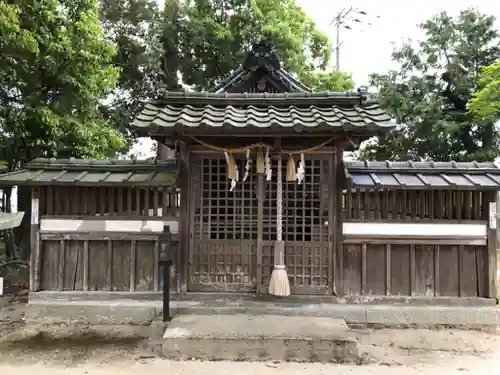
(222, 214)
(304, 206)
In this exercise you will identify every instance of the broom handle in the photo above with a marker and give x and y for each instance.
(279, 202)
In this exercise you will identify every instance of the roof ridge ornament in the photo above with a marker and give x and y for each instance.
(262, 54)
(362, 91)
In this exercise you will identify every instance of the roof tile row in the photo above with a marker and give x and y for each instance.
(371, 117)
(364, 175)
(423, 175)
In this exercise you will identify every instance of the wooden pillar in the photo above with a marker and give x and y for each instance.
(21, 237)
(335, 220)
(260, 229)
(35, 261)
(185, 227)
(493, 223)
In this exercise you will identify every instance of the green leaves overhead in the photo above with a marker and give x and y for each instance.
(54, 71)
(195, 44)
(430, 93)
(217, 34)
(74, 74)
(485, 103)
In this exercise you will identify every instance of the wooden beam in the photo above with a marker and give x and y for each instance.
(86, 263)
(133, 264)
(186, 219)
(493, 224)
(260, 228)
(35, 253)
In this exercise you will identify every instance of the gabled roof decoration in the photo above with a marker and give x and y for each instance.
(261, 57)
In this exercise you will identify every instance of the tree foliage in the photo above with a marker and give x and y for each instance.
(54, 71)
(134, 27)
(430, 92)
(194, 44)
(485, 103)
(217, 34)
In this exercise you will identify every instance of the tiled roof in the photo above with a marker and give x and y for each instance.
(360, 174)
(93, 173)
(423, 175)
(288, 104)
(300, 117)
(300, 99)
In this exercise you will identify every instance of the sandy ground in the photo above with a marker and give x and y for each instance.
(386, 351)
(445, 366)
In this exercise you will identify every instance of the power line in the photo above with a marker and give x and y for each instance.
(343, 20)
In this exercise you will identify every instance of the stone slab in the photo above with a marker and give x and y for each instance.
(72, 313)
(349, 313)
(259, 338)
(236, 326)
(142, 312)
(247, 299)
(433, 316)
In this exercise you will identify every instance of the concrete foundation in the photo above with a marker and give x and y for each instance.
(259, 338)
(91, 314)
(246, 299)
(229, 329)
(128, 308)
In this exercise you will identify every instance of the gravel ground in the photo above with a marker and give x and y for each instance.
(387, 351)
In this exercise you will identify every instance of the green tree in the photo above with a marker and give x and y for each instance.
(54, 71)
(218, 33)
(429, 94)
(202, 41)
(485, 103)
(134, 27)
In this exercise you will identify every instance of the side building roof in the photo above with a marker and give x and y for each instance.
(80, 172)
(422, 175)
(359, 174)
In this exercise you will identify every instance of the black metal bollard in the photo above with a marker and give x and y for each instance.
(166, 262)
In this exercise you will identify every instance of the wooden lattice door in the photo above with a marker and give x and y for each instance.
(224, 253)
(308, 250)
(223, 248)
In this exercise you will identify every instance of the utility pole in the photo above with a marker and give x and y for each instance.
(342, 20)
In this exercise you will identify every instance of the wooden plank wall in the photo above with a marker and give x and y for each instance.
(97, 262)
(410, 267)
(133, 201)
(128, 261)
(106, 261)
(416, 205)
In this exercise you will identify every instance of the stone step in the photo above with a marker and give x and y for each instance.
(140, 313)
(259, 338)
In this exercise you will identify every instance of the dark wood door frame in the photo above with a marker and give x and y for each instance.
(311, 256)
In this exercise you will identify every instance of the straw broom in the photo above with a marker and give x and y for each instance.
(279, 284)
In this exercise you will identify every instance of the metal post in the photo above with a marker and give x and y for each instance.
(166, 262)
(337, 50)
(166, 289)
(342, 19)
